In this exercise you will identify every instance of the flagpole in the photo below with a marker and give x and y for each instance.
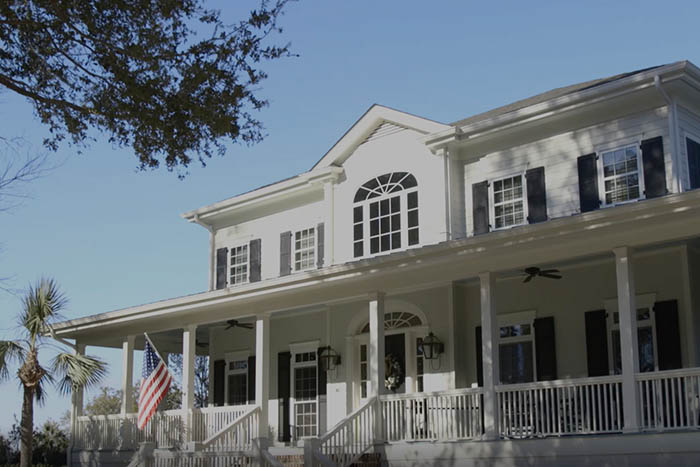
(154, 348)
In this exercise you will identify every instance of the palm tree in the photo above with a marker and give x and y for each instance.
(42, 305)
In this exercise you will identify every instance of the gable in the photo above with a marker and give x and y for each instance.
(377, 122)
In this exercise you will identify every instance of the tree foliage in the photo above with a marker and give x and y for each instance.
(42, 305)
(169, 78)
(109, 401)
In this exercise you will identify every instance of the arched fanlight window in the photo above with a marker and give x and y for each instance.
(397, 320)
(386, 213)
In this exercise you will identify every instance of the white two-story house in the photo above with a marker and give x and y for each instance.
(521, 286)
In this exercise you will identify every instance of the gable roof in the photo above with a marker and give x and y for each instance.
(369, 122)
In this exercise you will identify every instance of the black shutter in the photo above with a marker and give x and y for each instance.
(479, 358)
(536, 195)
(284, 360)
(255, 251)
(221, 265)
(480, 207)
(545, 349)
(320, 244)
(668, 334)
(285, 253)
(693, 149)
(597, 343)
(251, 380)
(219, 382)
(654, 167)
(322, 377)
(588, 183)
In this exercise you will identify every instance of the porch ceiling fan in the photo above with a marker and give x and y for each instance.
(532, 272)
(232, 323)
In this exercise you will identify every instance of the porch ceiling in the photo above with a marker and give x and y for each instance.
(639, 225)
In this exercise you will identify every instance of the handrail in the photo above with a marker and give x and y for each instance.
(221, 433)
(652, 375)
(347, 419)
(354, 435)
(559, 383)
(269, 460)
(420, 395)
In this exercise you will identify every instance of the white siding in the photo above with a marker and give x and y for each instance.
(394, 152)
(268, 229)
(689, 125)
(558, 154)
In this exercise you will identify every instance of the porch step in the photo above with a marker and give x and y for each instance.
(297, 460)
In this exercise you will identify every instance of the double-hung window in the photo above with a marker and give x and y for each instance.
(304, 390)
(237, 378)
(305, 249)
(516, 348)
(509, 202)
(646, 336)
(385, 214)
(620, 171)
(239, 265)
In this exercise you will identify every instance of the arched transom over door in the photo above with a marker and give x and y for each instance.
(397, 320)
(385, 214)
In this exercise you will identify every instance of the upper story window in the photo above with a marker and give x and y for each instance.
(508, 201)
(380, 205)
(305, 249)
(239, 265)
(621, 175)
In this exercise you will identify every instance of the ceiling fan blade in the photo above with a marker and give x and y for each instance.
(549, 271)
(551, 276)
(528, 278)
(245, 325)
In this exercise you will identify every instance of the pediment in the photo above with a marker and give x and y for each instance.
(377, 122)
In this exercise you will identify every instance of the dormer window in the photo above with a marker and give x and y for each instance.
(385, 214)
(621, 175)
(239, 265)
(305, 249)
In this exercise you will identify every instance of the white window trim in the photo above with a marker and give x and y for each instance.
(403, 211)
(611, 307)
(298, 348)
(492, 205)
(601, 177)
(294, 249)
(230, 264)
(233, 357)
(516, 318)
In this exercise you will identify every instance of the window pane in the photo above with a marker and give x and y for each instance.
(646, 349)
(412, 200)
(395, 203)
(357, 231)
(413, 237)
(385, 245)
(396, 240)
(395, 222)
(412, 218)
(357, 214)
(358, 249)
(374, 227)
(384, 209)
(374, 245)
(373, 210)
(516, 363)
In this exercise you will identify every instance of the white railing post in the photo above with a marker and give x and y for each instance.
(376, 355)
(189, 346)
(310, 445)
(76, 410)
(489, 349)
(127, 375)
(627, 309)
(262, 371)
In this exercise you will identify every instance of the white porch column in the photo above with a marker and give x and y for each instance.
(262, 371)
(189, 345)
(489, 349)
(627, 308)
(127, 374)
(376, 355)
(349, 367)
(76, 409)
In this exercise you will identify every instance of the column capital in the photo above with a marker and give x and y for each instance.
(265, 315)
(622, 251)
(377, 295)
(190, 328)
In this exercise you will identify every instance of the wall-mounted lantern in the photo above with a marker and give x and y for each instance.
(329, 358)
(432, 347)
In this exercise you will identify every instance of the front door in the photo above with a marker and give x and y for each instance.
(395, 358)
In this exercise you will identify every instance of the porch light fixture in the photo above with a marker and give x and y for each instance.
(329, 358)
(432, 347)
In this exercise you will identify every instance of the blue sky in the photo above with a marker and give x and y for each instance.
(112, 237)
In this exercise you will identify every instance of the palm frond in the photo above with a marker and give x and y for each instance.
(42, 302)
(9, 351)
(74, 371)
(39, 389)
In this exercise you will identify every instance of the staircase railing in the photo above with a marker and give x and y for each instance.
(237, 435)
(350, 438)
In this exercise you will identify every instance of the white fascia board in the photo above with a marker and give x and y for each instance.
(363, 127)
(311, 179)
(454, 251)
(552, 107)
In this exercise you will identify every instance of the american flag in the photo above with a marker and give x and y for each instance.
(155, 382)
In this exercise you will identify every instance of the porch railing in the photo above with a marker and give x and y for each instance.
(238, 435)
(669, 399)
(575, 406)
(445, 415)
(210, 420)
(350, 438)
